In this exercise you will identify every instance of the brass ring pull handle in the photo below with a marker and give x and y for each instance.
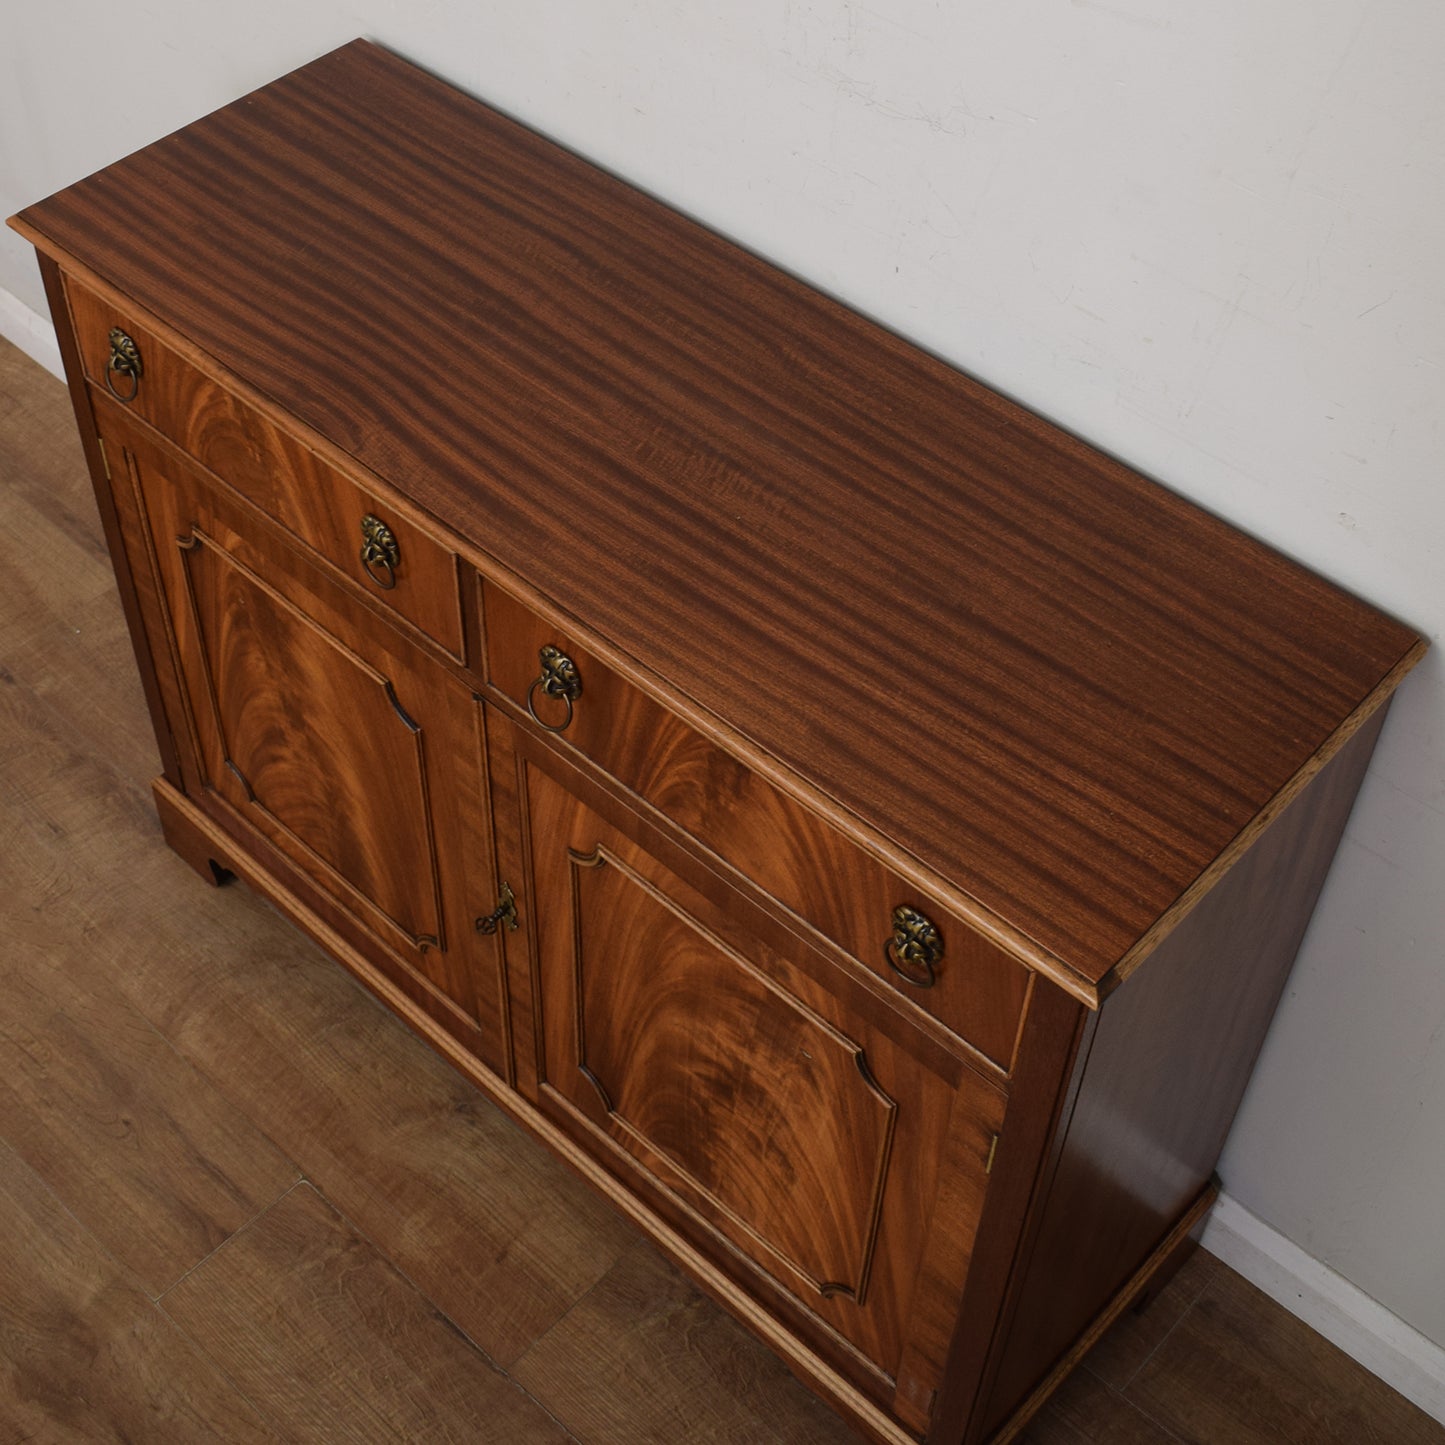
(378, 550)
(559, 678)
(915, 948)
(125, 362)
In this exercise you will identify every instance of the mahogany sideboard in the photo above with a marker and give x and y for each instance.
(860, 827)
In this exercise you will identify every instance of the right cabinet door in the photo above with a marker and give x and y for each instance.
(728, 1065)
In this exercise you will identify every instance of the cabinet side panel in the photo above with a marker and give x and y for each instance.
(1168, 1065)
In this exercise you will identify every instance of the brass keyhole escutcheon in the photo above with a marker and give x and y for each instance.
(559, 678)
(914, 950)
(504, 913)
(125, 363)
(379, 550)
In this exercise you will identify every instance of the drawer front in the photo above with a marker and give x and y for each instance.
(409, 572)
(978, 991)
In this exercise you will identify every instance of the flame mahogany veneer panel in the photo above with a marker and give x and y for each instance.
(761, 1099)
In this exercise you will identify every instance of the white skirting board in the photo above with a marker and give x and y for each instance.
(1346, 1316)
(30, 331)
(1365, 1330)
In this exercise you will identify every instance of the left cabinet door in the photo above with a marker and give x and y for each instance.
(341, 754)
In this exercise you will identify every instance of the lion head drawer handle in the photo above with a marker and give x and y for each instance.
(559, 678)
(125, 363)
(378, 550)
(915, 948)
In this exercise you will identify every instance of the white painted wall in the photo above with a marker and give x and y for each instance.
(1210, 238)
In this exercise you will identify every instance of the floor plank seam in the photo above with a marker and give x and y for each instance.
(240, 1229)
(1158, 1424)
(452, 1324)
(127, 1281)
(561, 1424)
(402, 1274)
(575, 1305)
(1122, 1387)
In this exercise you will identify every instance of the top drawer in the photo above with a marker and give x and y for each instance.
(407, 570)
(972, 986)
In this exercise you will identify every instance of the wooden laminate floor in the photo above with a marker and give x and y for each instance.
(239, 1201)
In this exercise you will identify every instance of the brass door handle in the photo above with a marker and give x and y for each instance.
(124, 362)
(915, 947)
(559, 678)
(379, 549)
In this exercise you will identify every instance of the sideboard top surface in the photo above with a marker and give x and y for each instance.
(1060, 687)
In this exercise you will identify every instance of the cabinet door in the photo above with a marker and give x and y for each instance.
(732, 1069)
(308, 719)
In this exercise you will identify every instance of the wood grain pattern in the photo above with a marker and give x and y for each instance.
(1100, 685)
(691, 1373)
(1086, 1411)
(300, 721)
(829, 1365)
(1159, 1263)
(1164, 1074)
(84, 1354)
(766, 1115)
(496, 1232)
(358, 757)
(333, 1344)
(1236, 1368)
(269, 467)
(793, 854)
(139, 1146)
(1135, 1336)
(809, 1138)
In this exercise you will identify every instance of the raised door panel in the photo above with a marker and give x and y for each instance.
(304, 732)
(306, 719)
(726, 1085)
(724, 1063)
